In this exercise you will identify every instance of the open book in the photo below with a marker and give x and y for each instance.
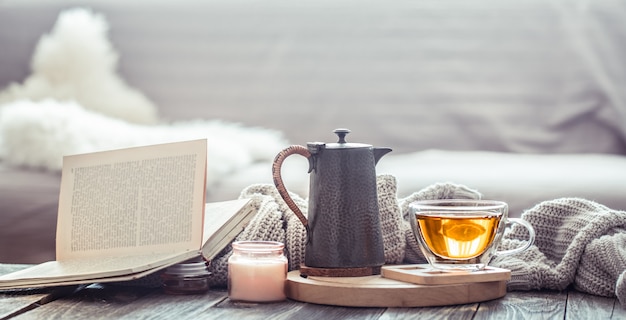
(127, 213)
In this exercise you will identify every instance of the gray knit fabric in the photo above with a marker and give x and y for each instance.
(578, 242)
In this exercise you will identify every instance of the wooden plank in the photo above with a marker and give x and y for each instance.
(317, 311)
(525, 305)
(460, 312)
(15, 302)
(128, 303)
(619, 311)
(585, 306)
(228, 309)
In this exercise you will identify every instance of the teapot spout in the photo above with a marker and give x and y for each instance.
(379, 153)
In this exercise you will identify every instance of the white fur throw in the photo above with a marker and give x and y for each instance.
(40, 134)
(74, 102)
(77, 62)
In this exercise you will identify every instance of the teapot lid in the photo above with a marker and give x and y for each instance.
(342, 144)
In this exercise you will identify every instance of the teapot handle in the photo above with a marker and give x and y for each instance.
(278, 180)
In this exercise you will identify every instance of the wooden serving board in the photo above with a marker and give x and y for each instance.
(377, 291)
(424, 274)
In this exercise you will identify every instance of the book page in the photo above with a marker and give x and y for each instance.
(218, 214)
(132, 201)
(223, 222)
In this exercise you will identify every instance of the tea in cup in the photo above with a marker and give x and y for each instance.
(462, 235)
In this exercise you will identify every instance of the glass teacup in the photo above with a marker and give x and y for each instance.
(462, 235)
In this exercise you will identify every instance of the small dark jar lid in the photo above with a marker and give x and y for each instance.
(189, 277)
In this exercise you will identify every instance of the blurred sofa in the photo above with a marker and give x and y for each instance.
(524, 101)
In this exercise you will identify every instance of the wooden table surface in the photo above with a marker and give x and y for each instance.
(113, 302)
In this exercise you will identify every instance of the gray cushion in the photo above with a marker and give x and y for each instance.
(522, 180)
(516, 76)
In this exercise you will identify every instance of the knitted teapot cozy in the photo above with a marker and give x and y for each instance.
(578, 242)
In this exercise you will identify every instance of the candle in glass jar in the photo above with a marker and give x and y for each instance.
(257, 271)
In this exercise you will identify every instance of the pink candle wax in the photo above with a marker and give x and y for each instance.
(257, 272)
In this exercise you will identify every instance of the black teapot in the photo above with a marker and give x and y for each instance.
(343, 224)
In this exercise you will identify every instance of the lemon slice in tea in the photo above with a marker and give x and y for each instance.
(462, 231)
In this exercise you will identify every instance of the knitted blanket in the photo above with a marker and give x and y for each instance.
(578, 242)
